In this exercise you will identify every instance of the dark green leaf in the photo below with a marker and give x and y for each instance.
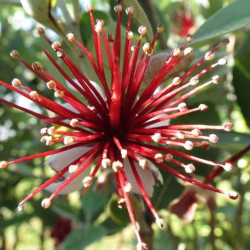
(241, 78)
(83, 237)
(235, 16)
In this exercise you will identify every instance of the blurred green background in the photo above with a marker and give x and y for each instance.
(93, 221)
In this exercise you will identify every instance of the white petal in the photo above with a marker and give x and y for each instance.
(74, 185)
(60, 161)
(149, 177)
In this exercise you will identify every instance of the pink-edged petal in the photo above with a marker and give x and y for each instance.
(63, 159)
(75, 185)
(185, 206)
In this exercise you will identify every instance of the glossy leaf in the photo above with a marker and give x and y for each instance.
(234, 16)
(241, 78)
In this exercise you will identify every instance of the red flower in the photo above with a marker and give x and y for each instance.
(60, 230)
(184, 22)
(126, 127)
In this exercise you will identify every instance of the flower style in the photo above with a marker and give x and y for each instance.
(125, 126)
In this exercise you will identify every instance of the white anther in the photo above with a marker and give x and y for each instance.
(20, 208)
(222, 61)
(216, 79)
(142, 30)
(106, 163)
(118, 8)
(141, 246)
(176, 80)
(159, 222)
(73, 169)
(196, 132)
(46, 203)
(187, 51)
(156, 137)
(129, 10)
(176, 51)
(68, 140)
(51, 84)
(213, 138)
(143, 163)
(168, 157)
(189, 38)
(124, 153)
(146, 47)
(182, 107)
(158, 157)
(16, 83)
(89, 8)
(55, 46)
(98, 28)
(34, 95)
(128, 188)
(232, 195)
(3, 164)
(203, 107)
(160, 28)
(130, 35)
(74, 122)
(228, 126)
(194, 81)
(228, 166)
(59, 93)
(189, 168)
(51, 130)
(87, 181)
(180, 135)
(49, 141)
(209, 56)
(59, 54)
(188, 145)
(117, 166)
(71, 37)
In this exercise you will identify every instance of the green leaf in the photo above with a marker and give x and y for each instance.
(241, 78)
(235, 16)
(92, 203)
(83, 237)
(214, 5)
(232, 140)
(118, 215)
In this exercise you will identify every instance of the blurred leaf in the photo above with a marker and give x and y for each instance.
(64, 209)
(83, 237)
(232, 139)
(241, 78)
(235, 16)
(214, 5)
(16, 220)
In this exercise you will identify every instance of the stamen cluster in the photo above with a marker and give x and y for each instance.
(126, 128)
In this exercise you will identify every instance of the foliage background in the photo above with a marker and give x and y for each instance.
(95, 220)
